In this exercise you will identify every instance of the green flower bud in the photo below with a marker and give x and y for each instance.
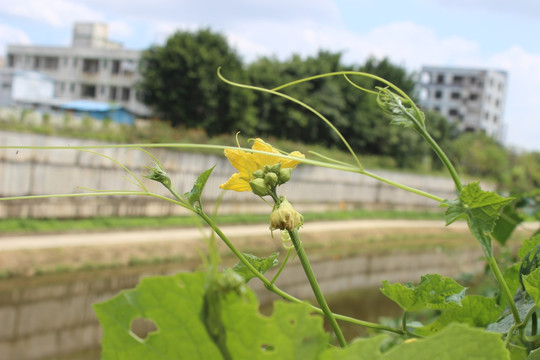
(284, 217)
(275, 168)
(267, 169)
(259, 174)
(159, 175)
(259, 187)
(284, 175)
(271, 179)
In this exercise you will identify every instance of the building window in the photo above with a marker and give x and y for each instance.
(440, 79)
(50, 62)
(75, 62)
(72, 88)
(455, 96)
(105, 63)
(88, 91)
(102, 90)
(115, 67)
(453, 112)
(438, 94)
(11, 60)
(62, 87)
(457, 80)
(125, 93)
(112, 93)
(495, 119)
(90, 66)
(473, 97)
(497, 103)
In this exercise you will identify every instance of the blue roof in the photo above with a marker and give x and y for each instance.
(88, 105)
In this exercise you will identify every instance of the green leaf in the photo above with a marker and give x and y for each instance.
(433, 292)
(534, 355)
(481, 210)
(532, 285)
(261, 264)
(505, 225)
(523, 303)
(528, 245)
(194, 196)
(175, 304)
(457, 341)
(475, 310)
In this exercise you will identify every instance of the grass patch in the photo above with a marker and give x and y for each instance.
(15, 226)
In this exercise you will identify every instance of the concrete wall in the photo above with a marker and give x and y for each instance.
(50, 317)
(38, 172)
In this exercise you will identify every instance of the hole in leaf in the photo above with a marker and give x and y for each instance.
(141, 328)
(267, 348)
(292, 322)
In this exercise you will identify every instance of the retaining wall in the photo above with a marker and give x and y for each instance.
(51, 317)
(39, 172)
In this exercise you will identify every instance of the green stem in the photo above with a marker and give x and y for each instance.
(283, 263)
(302, 256)
(442, 155)
(504, 288)
(401, 186)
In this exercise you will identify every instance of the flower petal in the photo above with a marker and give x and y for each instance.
(239, 159)
(237, 183)
(287, 163)
(263, 159)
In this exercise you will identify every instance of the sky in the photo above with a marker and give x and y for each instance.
(487, 34)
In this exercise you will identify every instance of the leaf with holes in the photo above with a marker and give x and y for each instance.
(457, 341)
(481, 210)
(174, 305)
(433, 292)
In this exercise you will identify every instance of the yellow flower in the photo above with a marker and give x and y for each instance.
(247, 163)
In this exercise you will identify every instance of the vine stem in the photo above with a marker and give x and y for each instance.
(302, 256)
(504, 288)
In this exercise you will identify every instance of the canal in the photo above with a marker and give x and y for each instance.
(50, 316)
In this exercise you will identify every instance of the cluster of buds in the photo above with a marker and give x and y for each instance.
(265, 180)
(284, 217)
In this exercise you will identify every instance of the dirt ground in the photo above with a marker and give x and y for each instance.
(325, 239)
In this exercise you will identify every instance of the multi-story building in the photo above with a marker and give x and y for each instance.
(93, 68)
(473, 98)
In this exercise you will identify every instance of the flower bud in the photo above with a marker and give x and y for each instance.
(275, 168)
(284, 217)
(284, 175)
(271, 179)
(258, 174)
(159, 175)
(259, 187)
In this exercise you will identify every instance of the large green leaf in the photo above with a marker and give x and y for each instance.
(261, 264)
(481, 210)
(175, 303)
(532, 285)
(457, 341)
(433, 292)
(475, 310)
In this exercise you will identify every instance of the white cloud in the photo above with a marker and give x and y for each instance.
(56, 13)
(11, 35)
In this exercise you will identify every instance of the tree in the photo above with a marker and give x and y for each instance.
(179, 82)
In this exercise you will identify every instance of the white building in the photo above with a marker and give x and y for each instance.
(473, 98)
(93, 68)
